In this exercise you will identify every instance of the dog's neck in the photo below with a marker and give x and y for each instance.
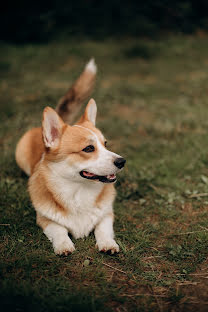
(73, 194)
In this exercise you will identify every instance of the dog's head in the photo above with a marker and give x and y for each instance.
(79, 152)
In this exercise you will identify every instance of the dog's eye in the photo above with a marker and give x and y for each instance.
(105, 143)
(89, 149)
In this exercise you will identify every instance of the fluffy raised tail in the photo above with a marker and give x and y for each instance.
(70, 104)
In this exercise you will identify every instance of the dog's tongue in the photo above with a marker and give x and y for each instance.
(88, 174)
(111, 176)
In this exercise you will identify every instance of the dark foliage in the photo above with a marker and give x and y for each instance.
(24, 21)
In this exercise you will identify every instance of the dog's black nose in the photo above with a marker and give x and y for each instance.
(119, 162)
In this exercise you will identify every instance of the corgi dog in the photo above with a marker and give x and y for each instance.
(72, 173)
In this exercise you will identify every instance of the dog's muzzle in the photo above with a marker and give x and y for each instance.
(110, 178)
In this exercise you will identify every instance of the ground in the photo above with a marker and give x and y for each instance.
(152, 99)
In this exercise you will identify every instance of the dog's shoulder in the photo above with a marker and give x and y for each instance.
(42, 197)
(107, 194)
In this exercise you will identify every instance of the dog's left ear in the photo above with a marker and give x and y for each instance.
(91, 111)
(52, 128)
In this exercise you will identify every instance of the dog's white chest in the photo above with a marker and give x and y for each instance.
(83, 212)
(80, 225)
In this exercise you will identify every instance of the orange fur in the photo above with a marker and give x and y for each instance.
(42, 192)
(69, 104)
(108, 191)
(29, 150)
(51, 155)
(72, 142)
(43, 222)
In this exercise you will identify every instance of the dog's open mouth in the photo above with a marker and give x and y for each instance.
(91, 176)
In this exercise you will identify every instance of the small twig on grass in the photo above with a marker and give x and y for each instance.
(110, 266)
(152, 257)
(198, 195)
(157, 190)
(203, 227)
(4, 224)
(186, 233)
(202, 276)
(146, 295)
(197, 302)
(188, 283)
(194, 274)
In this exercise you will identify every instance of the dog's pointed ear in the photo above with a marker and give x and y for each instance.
(91, 111)
(52, 127)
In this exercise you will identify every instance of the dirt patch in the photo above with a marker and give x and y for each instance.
(195, 292)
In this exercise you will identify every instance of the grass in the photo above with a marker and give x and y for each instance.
(152, 106)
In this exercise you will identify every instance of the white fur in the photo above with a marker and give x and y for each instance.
(58, 235)
(104, 164)
(50, 121)
(91, 66)
(92, 111)
(105, 236)
(79, 199)
(78, 196)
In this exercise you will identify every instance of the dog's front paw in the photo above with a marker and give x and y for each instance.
(64, 247)
(108, 245)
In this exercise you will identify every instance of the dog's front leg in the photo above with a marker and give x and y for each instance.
(104, 235)
(57, 234)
